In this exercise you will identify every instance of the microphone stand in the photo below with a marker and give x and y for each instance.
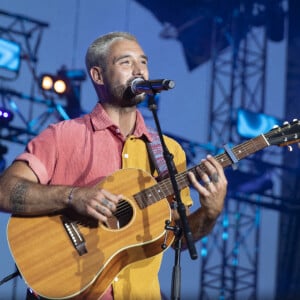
(185, 229)
(10, 276)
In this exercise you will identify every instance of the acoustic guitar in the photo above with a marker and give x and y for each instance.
(65, 255)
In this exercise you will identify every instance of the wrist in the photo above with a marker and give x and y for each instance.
(70, 198)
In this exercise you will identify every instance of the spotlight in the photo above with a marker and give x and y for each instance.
(54, 83)
(46, 82)
(250, 124)
(60, 86)
(66, 83)
(63, 82)
(6, 116)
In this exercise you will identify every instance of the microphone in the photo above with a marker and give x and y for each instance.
(150, 87)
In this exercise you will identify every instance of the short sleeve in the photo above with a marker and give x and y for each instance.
(40, 154)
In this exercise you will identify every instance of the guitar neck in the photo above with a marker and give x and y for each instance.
(164, 188)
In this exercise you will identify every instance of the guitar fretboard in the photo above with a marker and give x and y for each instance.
(164, 188)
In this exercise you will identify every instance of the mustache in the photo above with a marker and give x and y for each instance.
(128, 94)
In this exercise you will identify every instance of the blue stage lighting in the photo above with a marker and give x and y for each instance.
(10, 58)
(6, 116)
(250, 124)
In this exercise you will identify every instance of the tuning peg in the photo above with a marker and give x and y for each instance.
(290, 148)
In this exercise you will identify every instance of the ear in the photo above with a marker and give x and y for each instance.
(96, 75)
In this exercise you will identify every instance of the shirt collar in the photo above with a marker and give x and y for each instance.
(100, 121)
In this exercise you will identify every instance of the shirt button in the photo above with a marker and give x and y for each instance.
(126, 155)
(116, 279)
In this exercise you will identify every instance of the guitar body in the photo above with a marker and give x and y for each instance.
(51, 265)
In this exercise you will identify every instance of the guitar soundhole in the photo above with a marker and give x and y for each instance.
(122, 216)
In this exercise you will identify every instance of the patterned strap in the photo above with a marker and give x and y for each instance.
(156, 154)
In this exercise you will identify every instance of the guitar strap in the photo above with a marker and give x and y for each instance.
(157, 159)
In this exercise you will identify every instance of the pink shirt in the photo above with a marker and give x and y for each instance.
(75, 152)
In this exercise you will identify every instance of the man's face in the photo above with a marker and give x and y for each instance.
(125, 62)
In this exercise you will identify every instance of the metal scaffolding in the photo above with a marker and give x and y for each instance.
(230, 255)
(32, 112)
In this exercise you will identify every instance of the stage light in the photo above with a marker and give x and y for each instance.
(63, 82)
(67, 84)
(250, 124)
(6, 116)
(55, 83)
(10, 59)
(46, 82)
(60, 86)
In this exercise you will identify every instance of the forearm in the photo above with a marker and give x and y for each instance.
(25, 197)
(21, 193)
(200, 224)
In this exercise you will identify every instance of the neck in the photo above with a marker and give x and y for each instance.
(124, 117)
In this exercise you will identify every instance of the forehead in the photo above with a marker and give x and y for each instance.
(123, 47)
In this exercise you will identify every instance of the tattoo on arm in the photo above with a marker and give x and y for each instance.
(18, 197)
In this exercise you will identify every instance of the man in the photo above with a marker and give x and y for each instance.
(61, 168)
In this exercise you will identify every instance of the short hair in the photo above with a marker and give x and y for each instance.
(97, 52)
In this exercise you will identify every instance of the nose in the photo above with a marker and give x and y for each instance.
(139, 69)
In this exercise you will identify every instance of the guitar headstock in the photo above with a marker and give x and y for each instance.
(285, 135)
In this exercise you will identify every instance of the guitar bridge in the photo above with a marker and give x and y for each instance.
(75, 235)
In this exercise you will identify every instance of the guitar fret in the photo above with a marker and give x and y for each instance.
(150, 195)
(156, 194)
(165, 187)
(142, 198)
(243, 150)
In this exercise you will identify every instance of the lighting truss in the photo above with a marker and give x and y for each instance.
(230, 255)
(23, 30)
(31, 113)
(47, 111)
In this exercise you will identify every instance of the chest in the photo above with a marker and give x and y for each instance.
(99, 156)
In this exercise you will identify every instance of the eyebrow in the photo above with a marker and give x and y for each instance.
(116, 59)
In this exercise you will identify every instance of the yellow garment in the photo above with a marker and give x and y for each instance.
(139, 280)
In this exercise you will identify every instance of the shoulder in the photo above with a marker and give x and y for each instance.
(71, 126)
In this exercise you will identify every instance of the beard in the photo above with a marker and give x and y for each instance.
(122, 96)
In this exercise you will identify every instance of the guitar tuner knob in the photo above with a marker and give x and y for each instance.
(163, 246)
(290, 148)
